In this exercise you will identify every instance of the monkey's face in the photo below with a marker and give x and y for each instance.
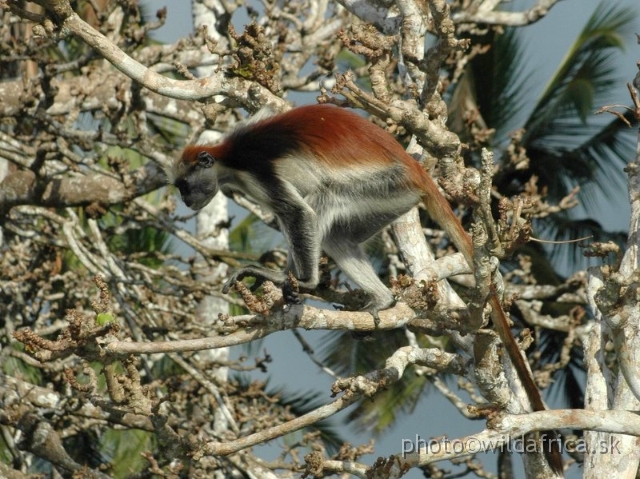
(198, 188)
(199, 184)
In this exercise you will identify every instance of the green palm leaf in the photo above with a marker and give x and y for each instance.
(565, 148)
(494, 85)
(584, 67)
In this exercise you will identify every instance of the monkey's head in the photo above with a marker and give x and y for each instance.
(194, 174)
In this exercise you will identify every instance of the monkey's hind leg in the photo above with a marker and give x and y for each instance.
(353, 262)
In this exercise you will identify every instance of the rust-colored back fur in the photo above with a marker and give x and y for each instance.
(328, 133)
(322, 131)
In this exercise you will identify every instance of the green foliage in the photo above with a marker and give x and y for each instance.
(5, 452)
(375, 416)
(586, 72)
(566, 145)
(123, 450)
(102, 319)
(13, 366)
(146, 240)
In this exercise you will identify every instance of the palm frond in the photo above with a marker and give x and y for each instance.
(614, 141)
(493, 84)
(567, 387)
(564, 228)
(605, 29)
(565, 145)
(375, 416)
(502, 98)
(585, 75)
(301, 403)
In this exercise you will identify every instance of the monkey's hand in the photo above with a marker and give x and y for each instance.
(290, 290)
(279, 278)
(260, 274)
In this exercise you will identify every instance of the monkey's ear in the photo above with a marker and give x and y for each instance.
(205, 159)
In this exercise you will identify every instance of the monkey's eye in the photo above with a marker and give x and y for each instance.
(205, 159)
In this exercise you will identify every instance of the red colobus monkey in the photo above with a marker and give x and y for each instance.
(333, 180)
